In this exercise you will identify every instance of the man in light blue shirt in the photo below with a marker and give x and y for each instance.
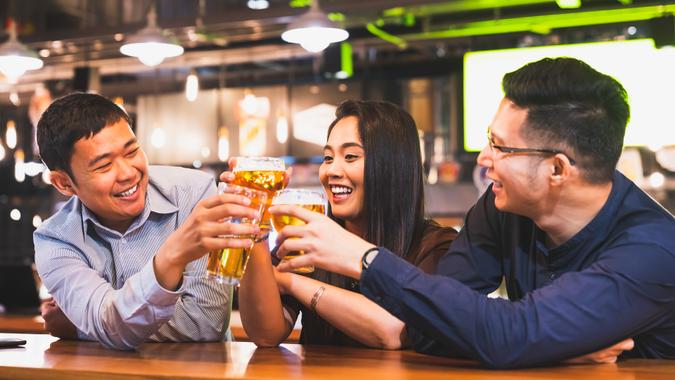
(124, 258)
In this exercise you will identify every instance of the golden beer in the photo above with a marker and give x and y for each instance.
(261, 173)
(308, 199)
(227, 265)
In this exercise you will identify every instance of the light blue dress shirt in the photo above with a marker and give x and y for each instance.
(105, 283)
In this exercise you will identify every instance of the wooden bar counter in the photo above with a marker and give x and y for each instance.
(46, 357)
(35, 324)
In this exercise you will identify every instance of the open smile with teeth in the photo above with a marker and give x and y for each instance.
(127, 193)
(340, 191)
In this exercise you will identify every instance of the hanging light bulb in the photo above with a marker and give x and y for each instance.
(14, 98)
(149, 44)
(258, 4)
(2, 151)
(37, 221)
(15, 215)
(158, 138)
(223, 144)
(10, 134)
(15, 57)
(249, 104)
(19, 171)
(192, 86)
(282, 129)
(314, 31)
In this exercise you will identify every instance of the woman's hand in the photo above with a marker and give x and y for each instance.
(325, 243)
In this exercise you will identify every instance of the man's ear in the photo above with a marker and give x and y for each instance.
(62, 182)
(561, 170)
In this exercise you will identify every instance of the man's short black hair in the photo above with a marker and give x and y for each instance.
(69, 119)
(573, 108)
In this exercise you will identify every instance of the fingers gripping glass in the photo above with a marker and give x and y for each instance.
(261, 173)
(510, 150)
(311, 200)
(227, 265)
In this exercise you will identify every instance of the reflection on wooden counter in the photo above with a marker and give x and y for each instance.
(35, 324)
(47, 357)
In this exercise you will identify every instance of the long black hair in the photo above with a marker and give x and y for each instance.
(393, 203)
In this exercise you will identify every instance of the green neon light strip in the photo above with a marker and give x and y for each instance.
(543, 24)
(346, 61)
(398, 41)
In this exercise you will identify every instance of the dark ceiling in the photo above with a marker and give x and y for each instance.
(225, 39)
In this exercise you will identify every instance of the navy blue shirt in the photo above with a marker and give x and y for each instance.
(615, 279)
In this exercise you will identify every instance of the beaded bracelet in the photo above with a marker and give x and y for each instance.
(315, 298)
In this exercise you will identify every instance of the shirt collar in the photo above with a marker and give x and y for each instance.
(155, 202)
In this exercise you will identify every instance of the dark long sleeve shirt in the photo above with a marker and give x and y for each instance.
(615, 279)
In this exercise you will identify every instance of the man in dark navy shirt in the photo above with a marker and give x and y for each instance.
(587, 257)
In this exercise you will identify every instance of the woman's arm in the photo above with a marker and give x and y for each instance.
(349, 312)
(262, 313)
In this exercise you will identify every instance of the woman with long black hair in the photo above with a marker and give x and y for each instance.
(372, 173)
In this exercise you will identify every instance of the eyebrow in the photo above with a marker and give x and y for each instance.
(345, 145)
(494, 136)
(103, 156)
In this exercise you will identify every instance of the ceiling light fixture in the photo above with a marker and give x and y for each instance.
(258, 4)
(314, 31)
(15, 57)
(192, 86)
(150, 45)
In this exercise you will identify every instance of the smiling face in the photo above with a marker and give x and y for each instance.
(110, 173)
(519, 180)
(341, 172)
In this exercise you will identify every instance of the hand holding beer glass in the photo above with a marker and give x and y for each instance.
(261, 173)
(227, 265)
(311, 200)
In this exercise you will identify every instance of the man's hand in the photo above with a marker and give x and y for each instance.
(325, 243)
(607, 355)
(56, 323)
(203, 231)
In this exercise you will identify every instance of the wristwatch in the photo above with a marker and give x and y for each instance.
(368, 257)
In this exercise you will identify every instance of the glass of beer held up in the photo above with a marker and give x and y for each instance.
(227, 265)
(260, 173)
(312, 200)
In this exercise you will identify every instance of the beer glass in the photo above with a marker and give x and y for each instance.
(309, 199)
(227, 265)
(260, 173)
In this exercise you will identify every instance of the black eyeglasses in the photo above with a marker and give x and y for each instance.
(511, 150)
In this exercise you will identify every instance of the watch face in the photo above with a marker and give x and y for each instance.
(368, 257)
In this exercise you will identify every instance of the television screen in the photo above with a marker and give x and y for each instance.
(647, 73)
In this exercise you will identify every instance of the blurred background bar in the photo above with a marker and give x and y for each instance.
(226, 83)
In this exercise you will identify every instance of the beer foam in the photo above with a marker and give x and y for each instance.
(299, 197)
(259, 163)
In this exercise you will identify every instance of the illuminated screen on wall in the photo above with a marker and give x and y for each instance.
(647, 73)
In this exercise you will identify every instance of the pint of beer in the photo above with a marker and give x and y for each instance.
(227, 265)
(260, 173)
(309, 199)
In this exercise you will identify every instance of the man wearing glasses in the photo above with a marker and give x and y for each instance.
(588, 259)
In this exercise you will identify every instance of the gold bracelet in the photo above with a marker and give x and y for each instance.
(315, 298)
